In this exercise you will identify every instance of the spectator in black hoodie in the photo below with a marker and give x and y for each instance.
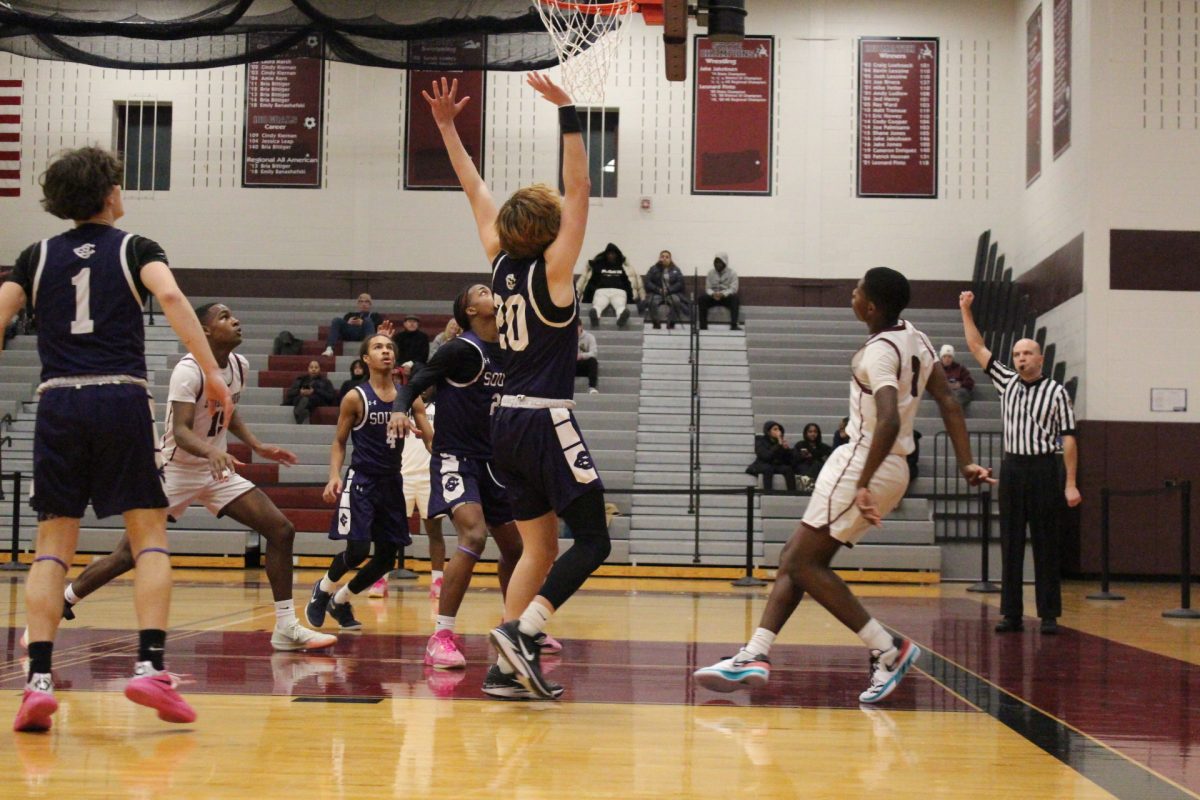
(810, 455)
(358, 374)
(609, 280)
(412, 345)
(773, 456)
(311, 390)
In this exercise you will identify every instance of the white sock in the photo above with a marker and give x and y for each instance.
(444, 624)
(435, 576)
(69, 594)
(328, 585)
(342, 595)
(143, 668)
(285, 612)
(760, 643)
(876, 637)
(504, 667)
(534, 619)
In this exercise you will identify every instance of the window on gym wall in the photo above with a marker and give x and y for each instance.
(600, 138)
(142, 137)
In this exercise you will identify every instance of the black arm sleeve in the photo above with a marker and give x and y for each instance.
(23, 270)
(143, 251)
(457, 360)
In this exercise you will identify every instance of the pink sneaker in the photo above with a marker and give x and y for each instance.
(548, 644)
(435, 589)
(442, 652)
(157, 690)
(378, 588)
(37, 705)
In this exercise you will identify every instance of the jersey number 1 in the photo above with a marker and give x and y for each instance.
(83, 302)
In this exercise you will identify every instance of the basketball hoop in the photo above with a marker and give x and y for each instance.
(586, 37)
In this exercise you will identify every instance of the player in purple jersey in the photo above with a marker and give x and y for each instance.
(94, 436)
(469, 375)
(533, 242)
(371, 505)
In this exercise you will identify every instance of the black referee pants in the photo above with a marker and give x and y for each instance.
(1031, 493)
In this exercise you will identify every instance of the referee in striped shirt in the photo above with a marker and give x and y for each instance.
(1036, 413)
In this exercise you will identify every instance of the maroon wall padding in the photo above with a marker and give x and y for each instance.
(1144, 531)
(1163, 261)
(1056, 279)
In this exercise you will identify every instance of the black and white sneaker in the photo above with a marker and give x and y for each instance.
(524, 655)
(343, 613)
(318, 603)
(507, 687)
(622, 318)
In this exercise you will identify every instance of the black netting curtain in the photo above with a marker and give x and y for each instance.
(197, 34)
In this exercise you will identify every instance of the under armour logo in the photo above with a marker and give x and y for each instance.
(85, 250)
(583, 460)
(511, 282)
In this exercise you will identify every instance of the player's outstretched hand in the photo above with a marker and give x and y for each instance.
(977, 475)
(965, 299)
(219, 399)
(548, 89)
(398, 424)
(865, 502)
(388, 328)
(222, 465)
(332, 490)
(443, 102)
(276, 453)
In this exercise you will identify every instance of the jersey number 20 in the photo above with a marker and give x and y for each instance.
(511, 322)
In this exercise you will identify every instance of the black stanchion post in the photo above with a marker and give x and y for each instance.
(985, 585)
(1185, 611)
(748, 579)
(1104, 593)
(14, 562)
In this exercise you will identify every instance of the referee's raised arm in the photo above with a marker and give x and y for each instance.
(974, 337)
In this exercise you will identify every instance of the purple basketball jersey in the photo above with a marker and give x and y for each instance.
(376, 452)
(538, 338)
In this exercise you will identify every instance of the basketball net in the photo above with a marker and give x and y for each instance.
(586, 36)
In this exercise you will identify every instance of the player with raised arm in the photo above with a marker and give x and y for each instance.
(533, 241)
(370, 501)
(94, 435)
(858, 486)
(198, 468)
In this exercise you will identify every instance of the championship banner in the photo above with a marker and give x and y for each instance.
(897, 117)
(1033, 97)
(426, 165)
(733, 102)
(1062, 76)
(284, 113)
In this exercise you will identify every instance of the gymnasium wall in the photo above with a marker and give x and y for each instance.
(811, 227)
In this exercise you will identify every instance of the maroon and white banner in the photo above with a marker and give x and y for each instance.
(897, 117)
(10, 138)
(1062, 76)
(284, 115)
(426, 165)
(1033, 97)
(733, 102)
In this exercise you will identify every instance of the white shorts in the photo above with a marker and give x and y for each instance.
(185, 486)
(416, 496)
(832, 501)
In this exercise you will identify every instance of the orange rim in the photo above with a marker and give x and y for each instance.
(603, 9)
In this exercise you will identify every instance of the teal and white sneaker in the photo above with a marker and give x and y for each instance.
(744, 670)
(885, 677)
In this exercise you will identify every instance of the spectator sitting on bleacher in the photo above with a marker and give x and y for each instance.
(664, 285)
(720, 289)
(358, 374)
(609, 280)
(451, 331)
(773, 456)
(353, 327)
(412, 345)
(840, 437)
(810, 456)
(962, 385)
(586, 362)
(311, 390)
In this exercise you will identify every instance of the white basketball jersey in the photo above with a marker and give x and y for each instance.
(900, 356)
(188, 386)
(414, 461)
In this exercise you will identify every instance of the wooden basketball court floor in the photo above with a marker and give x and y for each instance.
(1101, 710)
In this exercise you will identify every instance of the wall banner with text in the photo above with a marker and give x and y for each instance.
(897, 117)
(426, 165)
(282, 144)
(1062, 76)
(733, 101)
(1033, 97)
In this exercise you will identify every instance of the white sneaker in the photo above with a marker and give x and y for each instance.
(328, 351)
(886, 677)
(294, 636)
(593, 390)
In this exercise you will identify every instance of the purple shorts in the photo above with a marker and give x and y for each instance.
(454, 480)
(95, 443)
(371, 508)
(541, 459)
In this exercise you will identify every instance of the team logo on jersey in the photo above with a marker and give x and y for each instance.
(511, 282)
(584, 460)
(85, 250)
